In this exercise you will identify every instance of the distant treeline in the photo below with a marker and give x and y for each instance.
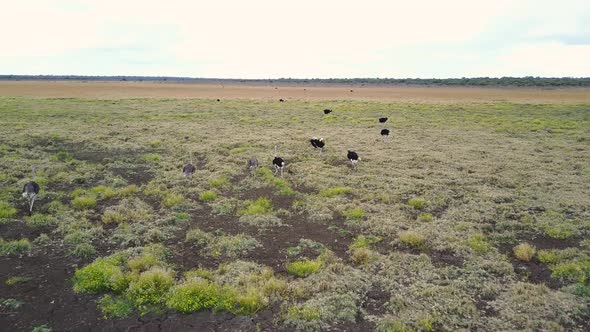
(528, 81)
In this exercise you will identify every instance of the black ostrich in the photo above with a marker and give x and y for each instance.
(30, 191)
(282, 100)
(318, 143)
(327, 111)
(278, 164)
(384, 132)
(383, 119)
(353, 157)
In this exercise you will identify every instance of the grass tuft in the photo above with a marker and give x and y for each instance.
(524, 252)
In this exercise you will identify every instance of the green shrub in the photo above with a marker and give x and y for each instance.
(572, 271)
(12, 304)
(249, 303)
(219, 182)
(336, 191)
(16, 280)
(524, 252)
(559, 231)
(115, 307)
(198, 237)
(77, 237)
(143, 263)
(364, 241)
(39, 220)
(260, 206)
(412, 239)
(303, 312)
(6, 211)
(151, 157)
(127, 211)
(84, 250)
(150, 288)
(195, 295)
(548, 256)
(417, 203)
(104, 192)
(96, 277)
(84, 202)
(208, 196)
(42, 328)
(172, 200)
(303, 268)
(15, 247)
(129, 190)
(63, 156)
(479, 244)
(42, 239)
(354, 214)
(425, 217)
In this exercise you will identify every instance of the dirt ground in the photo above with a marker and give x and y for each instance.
(118, 90)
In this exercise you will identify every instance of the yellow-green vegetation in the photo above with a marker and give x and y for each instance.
(128, 210)
(524, 252)
(220, 244)
(16, 280)
(478, 243)
(417, 203)
(208, 196)
(335, 191)
(84, 202)
(412, 239)
(260, 206)
(15, 247)
(6, 211)
(305, 267)
(456, 175)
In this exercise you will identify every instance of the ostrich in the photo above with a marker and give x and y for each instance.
(189, 168)
(318, 143)
(353, 157)
(30, 191)
(282, 100)
(383, 119)
(252, 163)
(278, 164)
(384, 132)
(327, 111)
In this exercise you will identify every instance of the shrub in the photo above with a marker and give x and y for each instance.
(16, 280)
(42, 328)
(128, 210)
(249, 303)
(104, 192)
(150, 288)
(96, 277)
(16, 247)
(559, 231)
(77, 237)
(195, 295)
(261, 206)
(417, 203)
(354, 214)
(198, 237)
(39, 220)
(362, 256)
(303, 268)
(151, 157)
(6, 211)
(143, 263)
(364, 241)
(524, 252)
(128, 190)
(42, 239)
(336, 191)
(572, 271)
(425, 217)
(172, 200)
(84, 250)
(548, 256)
(303, 312)
(11, 304)
(84, 202)
(412, 239)
(478, 243)
(208, 196)
(115, 307)
(219, 182)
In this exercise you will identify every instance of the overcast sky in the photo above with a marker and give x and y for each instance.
(299, 39)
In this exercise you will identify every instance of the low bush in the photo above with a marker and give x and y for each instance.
(260, 206)
(336, 191)
(6, 211)
(15, 247)
(417, 203)
(195, 295)
(115, 307)
(208, 196)
(524, 252)
(84, 202)
(412, 239)
(303, 268)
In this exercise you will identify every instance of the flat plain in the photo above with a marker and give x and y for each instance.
(473, 215)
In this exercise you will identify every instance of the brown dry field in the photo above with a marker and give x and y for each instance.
(121, 90)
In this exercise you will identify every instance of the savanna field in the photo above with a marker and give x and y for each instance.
(470, 216)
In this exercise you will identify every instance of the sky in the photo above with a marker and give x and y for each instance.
(297, 39)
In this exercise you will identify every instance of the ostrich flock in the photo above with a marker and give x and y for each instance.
(31, 189)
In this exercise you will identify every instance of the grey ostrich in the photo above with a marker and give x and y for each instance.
(31, 190)
(189, 169)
